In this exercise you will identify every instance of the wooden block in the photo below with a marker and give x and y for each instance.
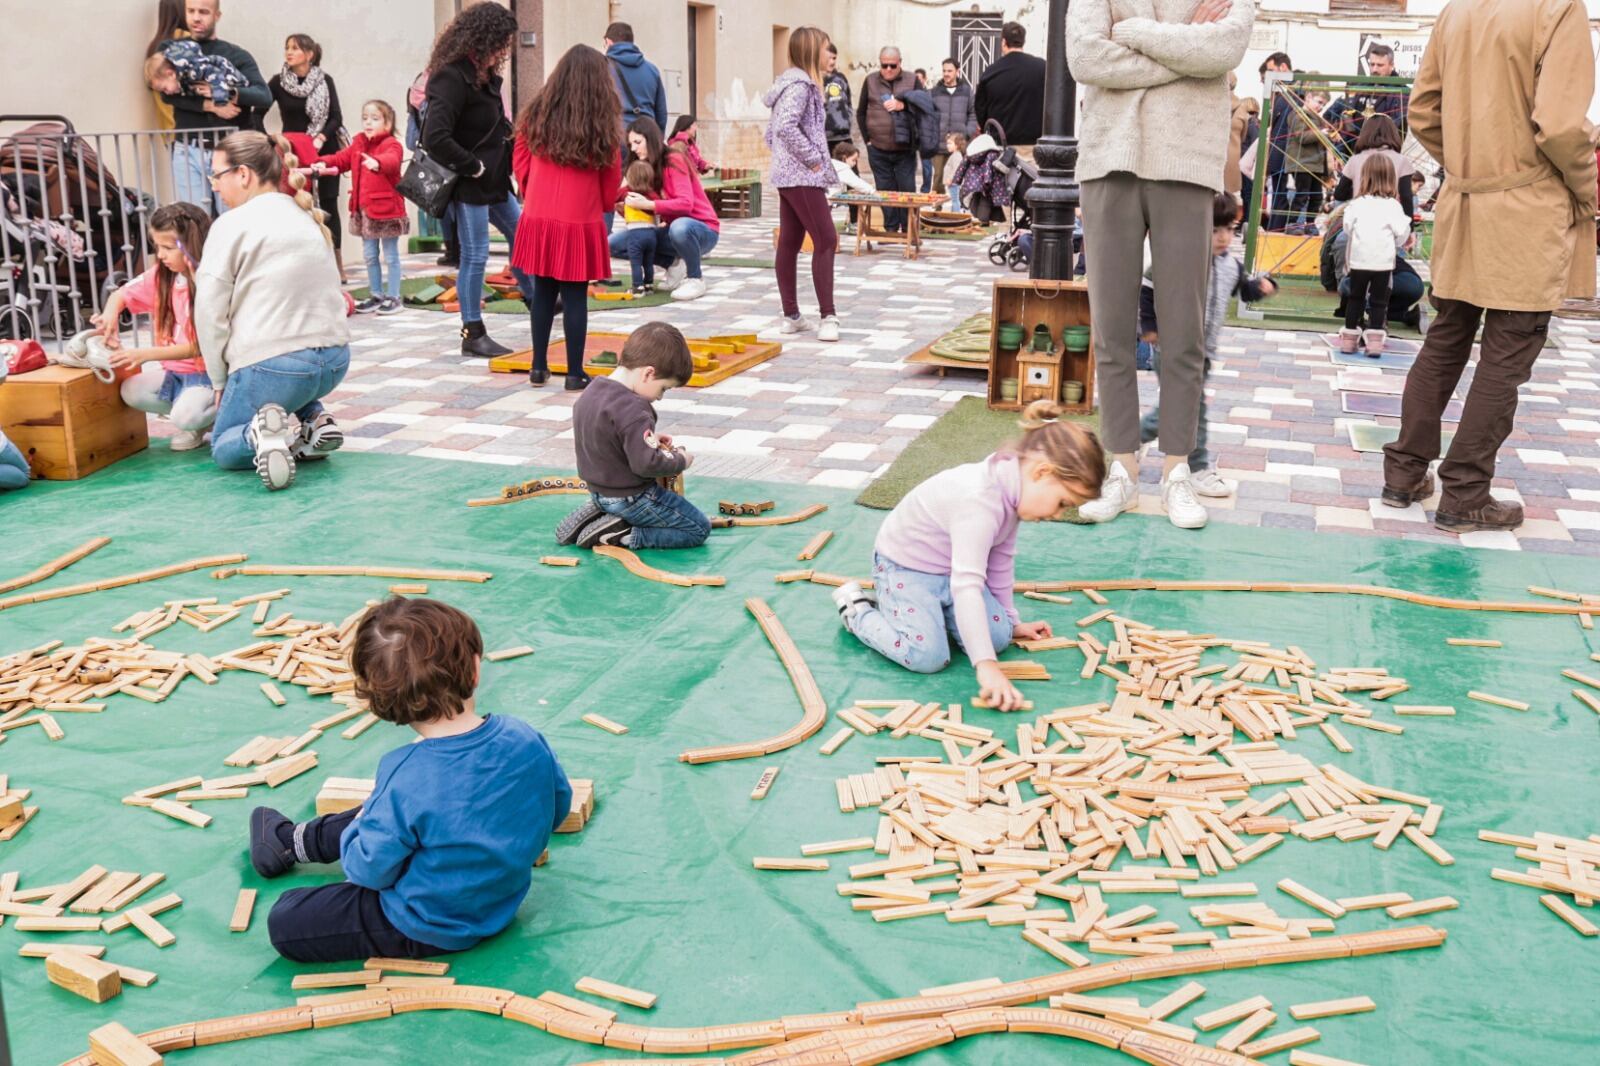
(1372, 903)
(836, 741)
(578, 1006)
(364, 723)
(44, 951)
(621, 993)
(243, 908)
(1559, 906)
(1423, 710)
(764, 785)
(274, 774)
(270, 691)
(1429, 847)
(815, 545)
(1311, 899)
(405, 590)
(424, 967)
(158, 934)
(1243, 888)
(70, 891)
(139, 888)
(1498, 701)
(1422, 906)
(833, 847)
(154, 907)
(335, 980)
(193, 795)
(1233, 1012)
(413, 981)
(1472, 642)
(1307, 1058)
(68, 423)
(134, 976)
(1173, 1002)
(57, 925)
(789, 864)
(114, 1045)
(602, 722)
(1331, 1008)
(83, 976)
(509, 653)
(181, 812)
(1250, 1027)
(1282, 1042)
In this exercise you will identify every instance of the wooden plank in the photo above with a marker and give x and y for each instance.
(114, 1045)
(509, 653)
(621, 993)
(337, 979)
(243, 909)
(1331, 1008)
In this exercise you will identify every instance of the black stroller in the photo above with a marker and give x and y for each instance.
(994, 184)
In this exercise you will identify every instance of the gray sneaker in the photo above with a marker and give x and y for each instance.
(319, 438)
(272, 434)
(568, 528)
(390, 306)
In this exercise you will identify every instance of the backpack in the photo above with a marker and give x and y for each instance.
(632, 111)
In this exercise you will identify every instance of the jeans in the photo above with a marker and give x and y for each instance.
(926, 165)
(296, 381)
(13, 466)
(1150, 424)
(660, 519)
(472, 224)
(381, 252)
(893, 172)
(687, 239)
(955, 199)
(333, 923)
(191, 175)
(448, 228)
(916, 617)
(641, 244)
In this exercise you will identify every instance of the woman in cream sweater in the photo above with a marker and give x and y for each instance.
(269, 316)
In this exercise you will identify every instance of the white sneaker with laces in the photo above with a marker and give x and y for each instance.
(673, 277)
(187, 440)
(798, 324)
(1119, 493)
(1178, 496)
(692, 289)
(829, 329)
(1208, 483)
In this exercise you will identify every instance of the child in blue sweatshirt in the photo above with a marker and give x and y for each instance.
(440, 855)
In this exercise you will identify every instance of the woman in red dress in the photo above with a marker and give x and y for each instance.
(567, 160)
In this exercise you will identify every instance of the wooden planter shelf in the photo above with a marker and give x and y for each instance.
(1056, 304)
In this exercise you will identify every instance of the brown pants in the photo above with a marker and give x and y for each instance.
(1512, 340)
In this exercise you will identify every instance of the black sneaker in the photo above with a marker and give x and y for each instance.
(607, 529)
(368, 306)
(568, 528)
(390, 306)
(271, 842)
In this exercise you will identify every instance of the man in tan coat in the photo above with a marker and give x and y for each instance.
(1500, 100)
(1245, 110)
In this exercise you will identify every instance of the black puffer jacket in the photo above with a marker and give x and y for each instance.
(467, 125)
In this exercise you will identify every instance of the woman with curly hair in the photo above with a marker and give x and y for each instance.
(467, 130)
(568, 146)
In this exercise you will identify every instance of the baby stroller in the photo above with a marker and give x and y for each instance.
(994, 184)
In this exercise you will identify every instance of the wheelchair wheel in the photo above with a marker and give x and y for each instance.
(997, 253)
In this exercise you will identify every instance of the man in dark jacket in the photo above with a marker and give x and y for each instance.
(835, 98)
(952, 98)
(1011, 92)
(1379, 99)
(1276, 195)
(639, 85)
(891, 138)
(191, 153)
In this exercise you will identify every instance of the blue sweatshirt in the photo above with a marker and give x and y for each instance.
(452, 830)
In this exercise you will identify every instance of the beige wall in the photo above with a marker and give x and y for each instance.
(372, 48)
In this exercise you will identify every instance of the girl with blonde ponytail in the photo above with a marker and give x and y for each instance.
(945, 558)
(269, 314)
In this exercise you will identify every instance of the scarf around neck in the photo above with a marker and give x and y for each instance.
(313, 89)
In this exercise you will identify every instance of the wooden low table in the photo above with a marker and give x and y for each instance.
(68, 423)
(912, 203)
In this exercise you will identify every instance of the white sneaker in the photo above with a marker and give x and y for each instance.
(1208, 483)
(1119, 493)
(798, 324)
(673, 277)
(692, 289)
(829, 330)
(187, 440)
(1178, 496)
(851, 600)
(273, 434)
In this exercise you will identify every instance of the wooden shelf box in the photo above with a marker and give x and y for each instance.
(1057, 304)
(68, 423)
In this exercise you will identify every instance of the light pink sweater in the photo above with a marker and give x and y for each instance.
(962, 522)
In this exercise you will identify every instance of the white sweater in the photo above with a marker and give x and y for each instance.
(1155, 102)
(852, 181)
(267, 285)
(1375, 228)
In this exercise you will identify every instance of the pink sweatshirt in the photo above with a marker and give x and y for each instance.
(139, 297)
(962, 522)
(682, 195)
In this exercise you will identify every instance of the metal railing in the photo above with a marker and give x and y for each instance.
(73, 211)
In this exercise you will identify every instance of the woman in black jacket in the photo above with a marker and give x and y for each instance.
(467, 130)
(308, 104)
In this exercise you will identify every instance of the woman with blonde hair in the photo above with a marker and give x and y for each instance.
(802, 173)
(269, 315)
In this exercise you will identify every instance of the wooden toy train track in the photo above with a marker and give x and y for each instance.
(805, 686)
(54, 566)
(110, 582)
(723, 521)
(639, 568)
(528, 490)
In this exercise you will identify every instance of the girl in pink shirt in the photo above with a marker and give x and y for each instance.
(945, 558)
(180, 388)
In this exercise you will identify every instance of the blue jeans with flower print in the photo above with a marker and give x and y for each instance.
(915, 618)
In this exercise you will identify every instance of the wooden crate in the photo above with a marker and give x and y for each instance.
(69, 423)
(1057, 304)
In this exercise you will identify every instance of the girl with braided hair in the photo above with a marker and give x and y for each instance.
(269, 314)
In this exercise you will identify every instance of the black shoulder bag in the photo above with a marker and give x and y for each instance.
(427, 182)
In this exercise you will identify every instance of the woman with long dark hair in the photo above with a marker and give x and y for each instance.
(308, 103)
(169, 24)
(567, 148)
(691, 228)
(466, 130)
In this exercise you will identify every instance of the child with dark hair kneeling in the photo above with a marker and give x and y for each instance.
(621, 457)
(440, 855)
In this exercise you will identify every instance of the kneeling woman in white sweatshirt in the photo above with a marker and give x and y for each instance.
(269, 316)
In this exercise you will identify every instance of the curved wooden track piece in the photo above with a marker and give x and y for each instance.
(639, 568)
(723, 521)
(1139, 584)
(805, 686)
(120, 581)
(478, 576)
(876, 1032)
(54, 566)
(528, 490)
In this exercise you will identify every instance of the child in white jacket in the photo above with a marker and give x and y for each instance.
(1376, 228)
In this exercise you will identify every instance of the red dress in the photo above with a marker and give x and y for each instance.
(562, 234)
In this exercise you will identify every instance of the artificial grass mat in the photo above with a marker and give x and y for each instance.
(658, 892)
(964, 434)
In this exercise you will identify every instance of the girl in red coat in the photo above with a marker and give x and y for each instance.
(567, 161)
(377, 212)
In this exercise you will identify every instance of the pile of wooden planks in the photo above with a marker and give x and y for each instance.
(14, 811)
(1563, 866)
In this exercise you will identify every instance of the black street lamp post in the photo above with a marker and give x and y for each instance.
(1054, 197)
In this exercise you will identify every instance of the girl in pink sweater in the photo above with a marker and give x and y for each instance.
(945, 559)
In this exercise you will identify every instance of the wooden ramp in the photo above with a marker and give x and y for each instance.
(716, 358)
